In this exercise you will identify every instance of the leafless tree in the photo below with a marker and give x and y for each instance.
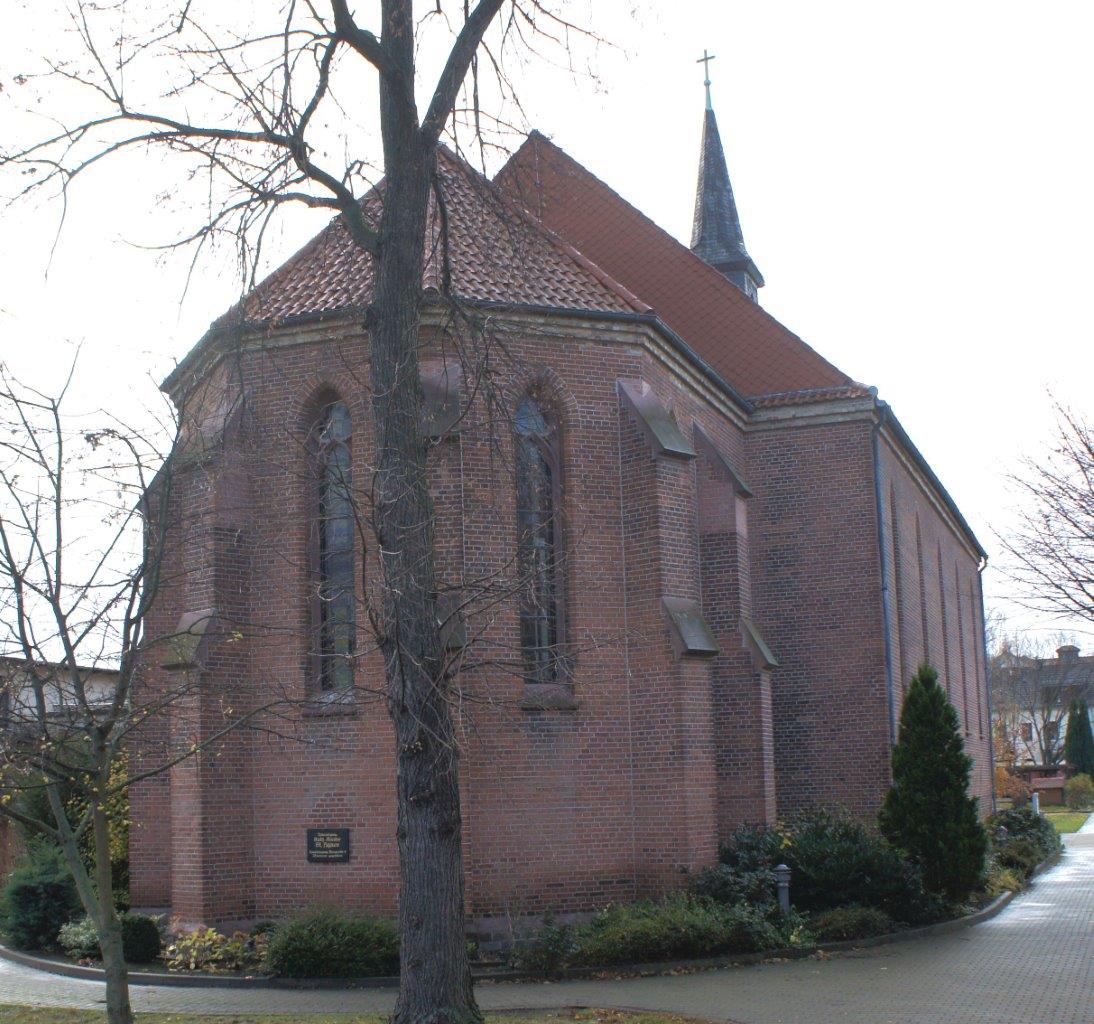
(1051, 552)
(81, 564)
(1030, 692)
(269, 93)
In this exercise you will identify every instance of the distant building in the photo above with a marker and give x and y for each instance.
(18, 702)
(17, 692)
(1031, 697)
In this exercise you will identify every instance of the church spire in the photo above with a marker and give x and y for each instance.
(716, 231)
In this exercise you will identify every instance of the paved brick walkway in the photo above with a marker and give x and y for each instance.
(1033, 964)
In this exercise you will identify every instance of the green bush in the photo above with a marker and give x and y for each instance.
(1021, 839)
(678, 927)
(753, 848)
(206, 949)
(140, 939)
(852, 922)
(1001, 880)
(548, 951)
(333, 944)
(1079, 792)
(1021, 855)
(928, 812)
(729, 885)
(39, 897)
(31, 798)
(834, 861)
(79, 939)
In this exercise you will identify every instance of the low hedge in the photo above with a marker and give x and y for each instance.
(329, 943)
(679, 927)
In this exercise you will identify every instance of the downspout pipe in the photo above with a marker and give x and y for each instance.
(886, 569)
(987, 682)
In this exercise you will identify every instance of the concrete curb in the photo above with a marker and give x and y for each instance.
(496, 976)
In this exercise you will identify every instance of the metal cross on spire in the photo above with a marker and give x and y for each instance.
(705, 61)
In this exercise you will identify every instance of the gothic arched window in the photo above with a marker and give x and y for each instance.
(538, 543)
(334, 626)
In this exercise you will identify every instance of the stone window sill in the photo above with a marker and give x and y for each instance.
(332, 704)
(548, 697)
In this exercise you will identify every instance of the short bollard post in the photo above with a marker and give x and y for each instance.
(1035, 802)
(782, 884)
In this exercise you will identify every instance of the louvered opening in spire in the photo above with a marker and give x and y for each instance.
(716, 235)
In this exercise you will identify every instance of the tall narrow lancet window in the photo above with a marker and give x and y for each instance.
(538, 543)
(334, 551)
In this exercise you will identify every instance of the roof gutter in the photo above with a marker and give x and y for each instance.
(644, 319)
(217, 331)
(986, 683)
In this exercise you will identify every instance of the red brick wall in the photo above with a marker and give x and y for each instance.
(190, 846)
(936, 607)
(745, 749)
(563, 809)
(817, 584)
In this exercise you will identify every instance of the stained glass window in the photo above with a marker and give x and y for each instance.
(335, 550)
(537, 473)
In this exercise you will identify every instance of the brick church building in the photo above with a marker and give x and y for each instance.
(727, 557)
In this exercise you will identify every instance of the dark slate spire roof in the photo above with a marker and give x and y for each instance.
(716, 234)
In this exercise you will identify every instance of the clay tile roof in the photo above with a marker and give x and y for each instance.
(744, 344)
(496, 252)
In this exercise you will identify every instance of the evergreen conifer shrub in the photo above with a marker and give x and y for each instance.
(928, 811)
(1078, 740)
(38, 898)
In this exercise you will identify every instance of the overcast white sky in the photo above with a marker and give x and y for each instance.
(914, 181)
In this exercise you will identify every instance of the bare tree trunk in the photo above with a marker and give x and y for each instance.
(98, 898)
(435, 974)
(261, 142)
(118, 1010)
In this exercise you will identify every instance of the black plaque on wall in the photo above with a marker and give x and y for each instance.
(328, 845)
